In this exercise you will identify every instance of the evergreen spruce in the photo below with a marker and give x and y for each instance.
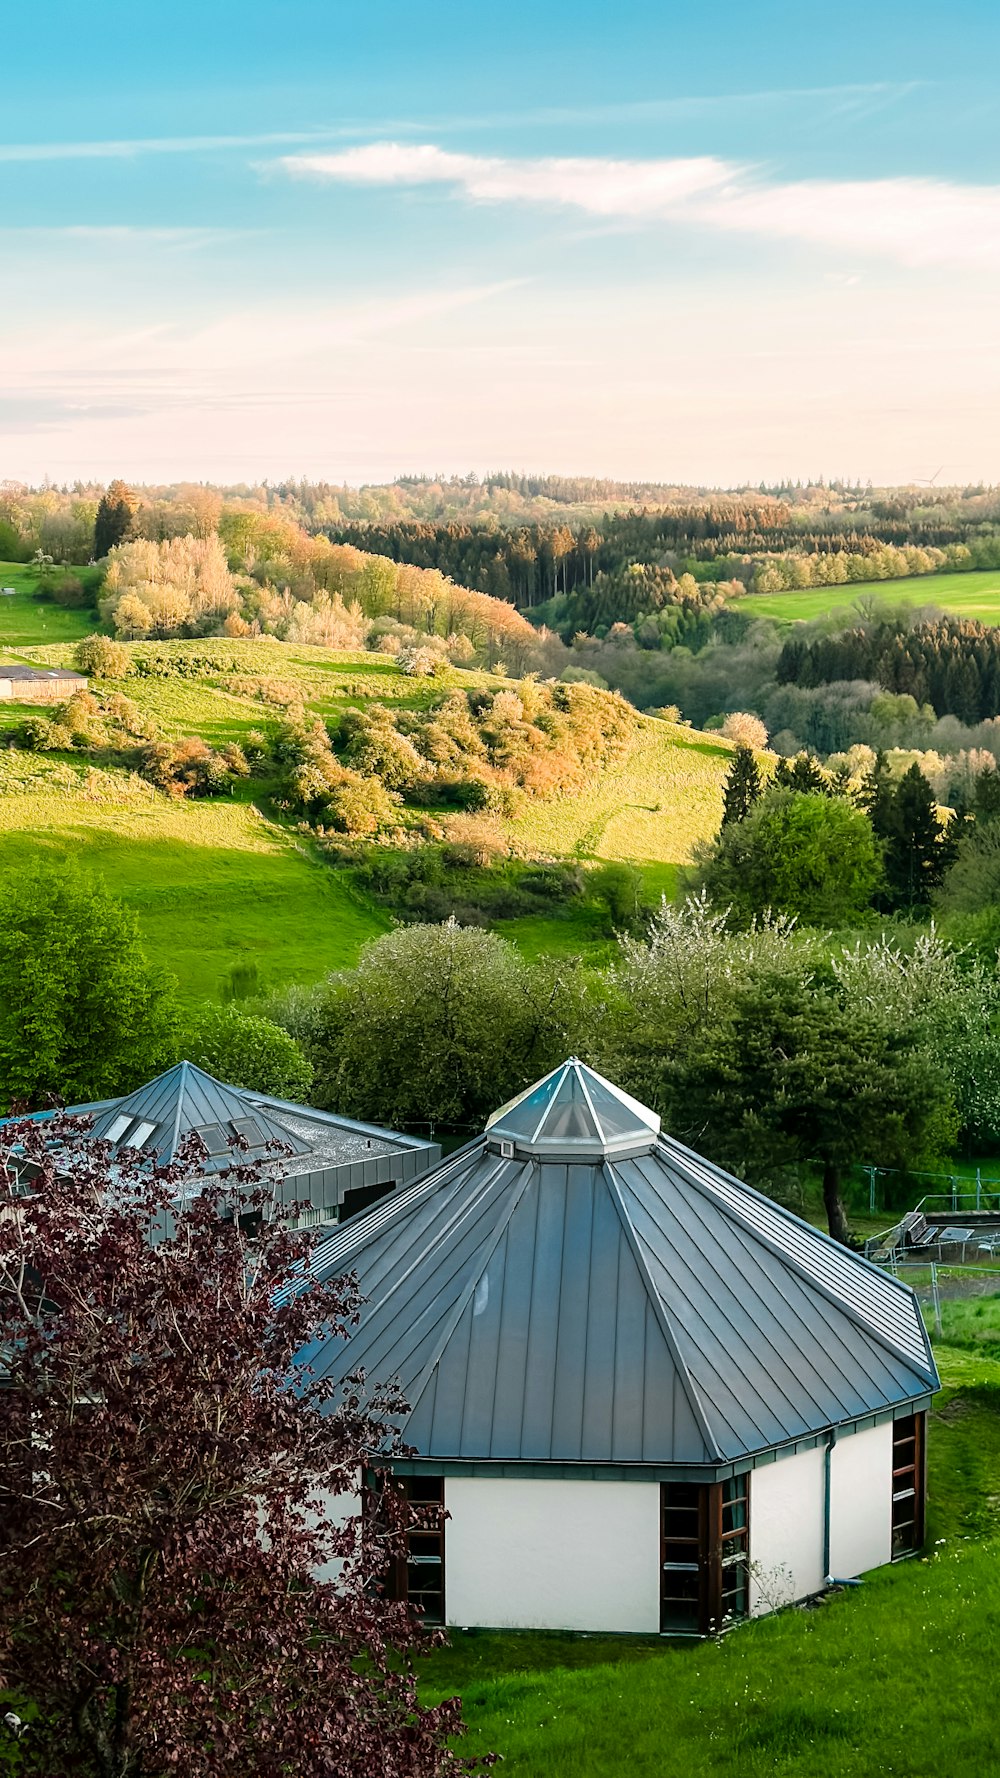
(743, 786)
(115, 517)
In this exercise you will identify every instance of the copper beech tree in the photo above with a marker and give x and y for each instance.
(164, 1463)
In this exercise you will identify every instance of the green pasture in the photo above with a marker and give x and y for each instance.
(976, 594)
(25, 620)
(888, 1678)
(648, 807)
(209, 880)
(211, 883)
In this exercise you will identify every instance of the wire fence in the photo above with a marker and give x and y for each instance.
(960, 1303)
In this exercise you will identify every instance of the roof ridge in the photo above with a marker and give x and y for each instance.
(705, 1186)
(662, 1315)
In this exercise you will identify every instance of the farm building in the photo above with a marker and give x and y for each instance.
(330, 1165)
(37, 685)
(643, 1397)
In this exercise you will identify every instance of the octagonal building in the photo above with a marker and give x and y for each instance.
(643, 1396)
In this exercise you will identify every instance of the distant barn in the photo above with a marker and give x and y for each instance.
(37, 685)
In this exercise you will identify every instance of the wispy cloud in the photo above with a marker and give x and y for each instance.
(126, 147)
(915, 221)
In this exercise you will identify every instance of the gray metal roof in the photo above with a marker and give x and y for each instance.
(9, 670)
(185, 1101)
(586, 1306)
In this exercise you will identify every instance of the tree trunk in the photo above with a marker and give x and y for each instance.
(836, 1215)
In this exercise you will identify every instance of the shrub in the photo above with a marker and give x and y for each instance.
(247, 1050)
(746, 729)
(102, 658)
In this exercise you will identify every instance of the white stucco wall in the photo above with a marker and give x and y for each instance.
(786, 1530)
(337, 1509)
(552, 1555)
(861, 1502)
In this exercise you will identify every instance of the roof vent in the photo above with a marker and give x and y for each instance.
(507, 1151)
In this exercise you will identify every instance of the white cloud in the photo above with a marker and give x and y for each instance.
(601, 187)
(914, 221)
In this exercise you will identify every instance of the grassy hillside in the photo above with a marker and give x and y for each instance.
(976, 594)
(24, 619)
(214, 882)
(875, 1680)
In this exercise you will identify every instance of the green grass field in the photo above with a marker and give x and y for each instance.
(649, 807)
(211, 882)
(25, 620)
(976, 594)
(889, 1678)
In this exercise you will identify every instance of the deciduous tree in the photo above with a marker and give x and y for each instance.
(172, 1483)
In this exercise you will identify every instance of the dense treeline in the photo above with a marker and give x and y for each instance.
(762, 544)
(953, 664)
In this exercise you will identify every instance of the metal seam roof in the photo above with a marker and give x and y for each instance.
(593, 1307)
(661, 1313)
(911, 1347)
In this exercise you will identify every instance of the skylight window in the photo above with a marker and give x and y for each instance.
(140, 1135)
(249, 1130)
(214, 1138)
(119, 1126)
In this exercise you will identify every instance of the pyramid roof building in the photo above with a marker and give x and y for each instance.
(184, 1101)
(575, 1289)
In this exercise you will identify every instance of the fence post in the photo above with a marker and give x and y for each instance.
(937, 1300)
(954, 1195)
(871, 1189)
(979, 1187)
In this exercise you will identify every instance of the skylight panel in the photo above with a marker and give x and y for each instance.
(120, 1125)
(140, 1135)
(214, 1138)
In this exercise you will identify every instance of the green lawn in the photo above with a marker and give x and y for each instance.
(885, 1679)
(976, 594)
(25, 620)
(211, 884)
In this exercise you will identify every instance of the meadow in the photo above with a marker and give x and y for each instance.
(213, 882)
(26, 619)
(884, 1678)
(976, 594)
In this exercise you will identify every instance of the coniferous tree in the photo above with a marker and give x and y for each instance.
(916, 852)
(743, 786)
(803, 773)
(115, 518)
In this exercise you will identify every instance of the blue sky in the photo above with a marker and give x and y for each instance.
(694, 243)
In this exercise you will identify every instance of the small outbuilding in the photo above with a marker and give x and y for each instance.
(37, 685)
(642, 1396)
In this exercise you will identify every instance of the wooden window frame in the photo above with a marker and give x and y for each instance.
(715, 1552)
(426, 1494)
(909, 1485)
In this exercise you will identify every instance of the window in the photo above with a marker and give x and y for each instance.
(907, 1485)
(119, 1126)
(140, 1134)
(705, 1534)
(248, 1129)
(419, 1576)
(214, 1137)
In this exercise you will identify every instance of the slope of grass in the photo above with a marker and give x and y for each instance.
(878, 1680)
(212, 884)
(976, 594)
(204, 892)
(25, 620)
(649, 806)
